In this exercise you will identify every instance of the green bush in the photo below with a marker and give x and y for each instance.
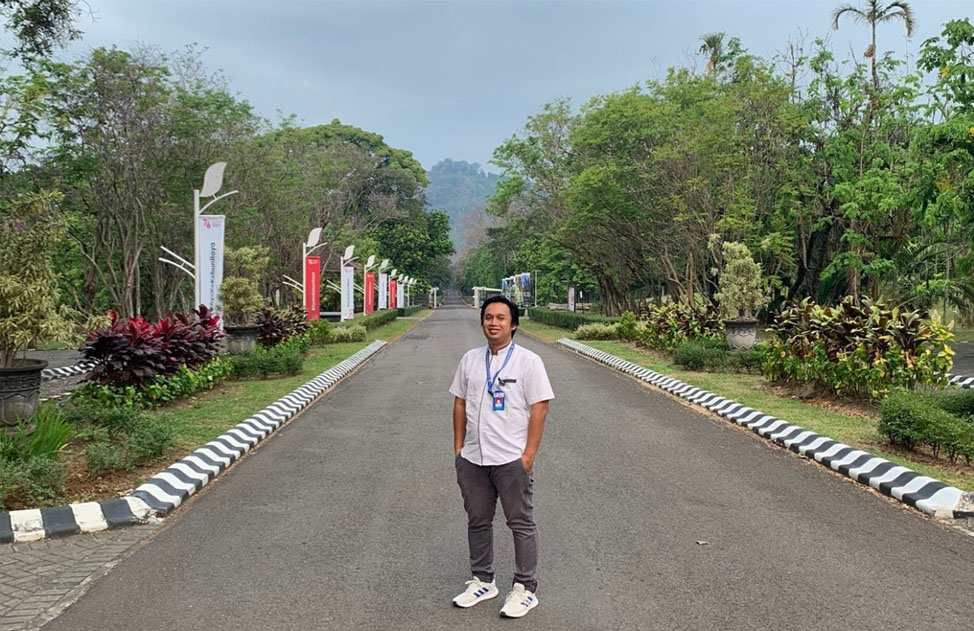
(701, 355)
(283, 359)
(159, 390)
(103, 456)
(30, 483)
(597, 331)
(353, 333)
(51, 433)
(909, 420)
(747, 360)
(404, 312)
(566, 319)
(320, 332)
(627, 326)
(147, 442)
(377, 319)
(858, 351)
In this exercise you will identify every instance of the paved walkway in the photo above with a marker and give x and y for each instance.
(652, 515)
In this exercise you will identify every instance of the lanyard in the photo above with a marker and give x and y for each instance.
(490, 382)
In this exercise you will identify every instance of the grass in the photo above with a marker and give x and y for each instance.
(857, 430)
(962, 334)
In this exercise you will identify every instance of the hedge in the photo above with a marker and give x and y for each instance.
(566, 319)
(405, 312)
(943, 422)
(375, 320)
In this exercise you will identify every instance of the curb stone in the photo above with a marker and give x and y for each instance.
(960, 380)
(924, 493)
(166, 490)
(68, 371)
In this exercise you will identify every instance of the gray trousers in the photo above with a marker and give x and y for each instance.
(480, 487)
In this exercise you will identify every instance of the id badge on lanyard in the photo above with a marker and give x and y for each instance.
(497, 396)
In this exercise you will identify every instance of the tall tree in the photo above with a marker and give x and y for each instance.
(712, 45)
(876, 12)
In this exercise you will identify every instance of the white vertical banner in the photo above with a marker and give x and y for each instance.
(400, 295)
(383, 291)
(210, 230)
(571, 298)
(348, 292)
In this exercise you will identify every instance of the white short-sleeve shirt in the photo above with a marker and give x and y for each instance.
(498, 437)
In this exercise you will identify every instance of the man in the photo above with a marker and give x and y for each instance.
(501, 394)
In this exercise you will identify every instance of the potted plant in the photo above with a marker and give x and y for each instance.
(740, 294)
(29, 309)
(240, 297)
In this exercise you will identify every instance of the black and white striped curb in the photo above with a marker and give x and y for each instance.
(168, 489)
(960, 380)
(924, 493)
(68, 371)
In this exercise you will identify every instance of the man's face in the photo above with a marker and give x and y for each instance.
(497, 324)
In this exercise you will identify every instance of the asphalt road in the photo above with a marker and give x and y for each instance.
(651, 516)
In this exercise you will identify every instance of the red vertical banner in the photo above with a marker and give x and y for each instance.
(369, 292)
(392, 294)
(312, 287)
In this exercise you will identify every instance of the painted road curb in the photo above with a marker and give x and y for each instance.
(169, 488)
(68, 371)
(960, 380)
(924, 493)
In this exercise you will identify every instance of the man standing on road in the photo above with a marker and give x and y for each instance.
(501, 400)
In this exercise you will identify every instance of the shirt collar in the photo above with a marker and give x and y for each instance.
(501, 350)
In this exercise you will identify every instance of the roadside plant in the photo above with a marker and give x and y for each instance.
(740, 293)
(238, 292)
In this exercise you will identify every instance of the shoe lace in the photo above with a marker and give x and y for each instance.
(474, 584)
(516, 595)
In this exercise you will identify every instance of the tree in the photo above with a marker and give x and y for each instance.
(876, 12)
(39, 25)
(713, 47)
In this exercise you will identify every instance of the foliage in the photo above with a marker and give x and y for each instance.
(668, 324)
(157, 390)
(406, 312)
(320, 332)
(29, 308)
(40, 25)
(458, 188)
(740, 294)
(597, 331)
(566, 319)
(286, 358)
(121, 436)
(51, 433)
(377, 319)
(627, 326)
(857, 351)
(352, 333)
(280, 325)
(910, 420)
(133, 352)
(239, 292)
(30, 483)
(701, 354)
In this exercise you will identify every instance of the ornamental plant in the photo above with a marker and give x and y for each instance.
(279, 325)
(238, 292)
(740, 293)
(668, 324)
(29, 312)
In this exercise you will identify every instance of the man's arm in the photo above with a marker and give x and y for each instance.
(539, 411)
(459, 424)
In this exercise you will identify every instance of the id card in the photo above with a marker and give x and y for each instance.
(498, 401)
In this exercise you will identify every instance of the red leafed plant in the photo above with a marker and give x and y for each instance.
(131, 352)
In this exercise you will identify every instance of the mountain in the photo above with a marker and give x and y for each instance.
(458, 188)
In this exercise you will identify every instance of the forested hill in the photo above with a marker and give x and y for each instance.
(457, 187)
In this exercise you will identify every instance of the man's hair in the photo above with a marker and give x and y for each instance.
(515, 314)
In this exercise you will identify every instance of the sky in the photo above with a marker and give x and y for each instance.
(455, 78)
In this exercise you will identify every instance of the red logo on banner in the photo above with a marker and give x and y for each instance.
(312, 287)
(369, 293)
(392, 295)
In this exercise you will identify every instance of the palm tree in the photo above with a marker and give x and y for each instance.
(713, 47)
(875, 13)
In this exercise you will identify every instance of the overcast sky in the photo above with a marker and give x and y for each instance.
(454, 78)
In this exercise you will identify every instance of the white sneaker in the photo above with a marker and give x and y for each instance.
(477, 591)
(518, 602)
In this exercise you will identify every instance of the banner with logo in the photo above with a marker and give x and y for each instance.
(209, 268)
(348, 292)
(383, 291)
(401, 296)
(369, 292)
(392, 294)
(312, 287)
(571, 298)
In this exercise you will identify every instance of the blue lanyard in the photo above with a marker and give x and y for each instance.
(490, 382)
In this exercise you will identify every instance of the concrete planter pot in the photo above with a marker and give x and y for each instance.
(741, 333)
(241, 339)
(20, 388)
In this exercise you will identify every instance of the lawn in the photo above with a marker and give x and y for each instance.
(854, 425)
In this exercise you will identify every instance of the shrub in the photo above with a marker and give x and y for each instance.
(597, 331)
(320, 332)
(747, 360)
(377, 319)
(147, 442)
(51, 433)
(627, 326)
(286, 359)
(668, 324)
(103, 456)
(158, 390)
(353, 333)
(30, 483)
(279, 325)
(238, 291)
(701, 355)
(911, 420)
(404, 312)
(860, 351)
(740, 293)
(566, 319)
